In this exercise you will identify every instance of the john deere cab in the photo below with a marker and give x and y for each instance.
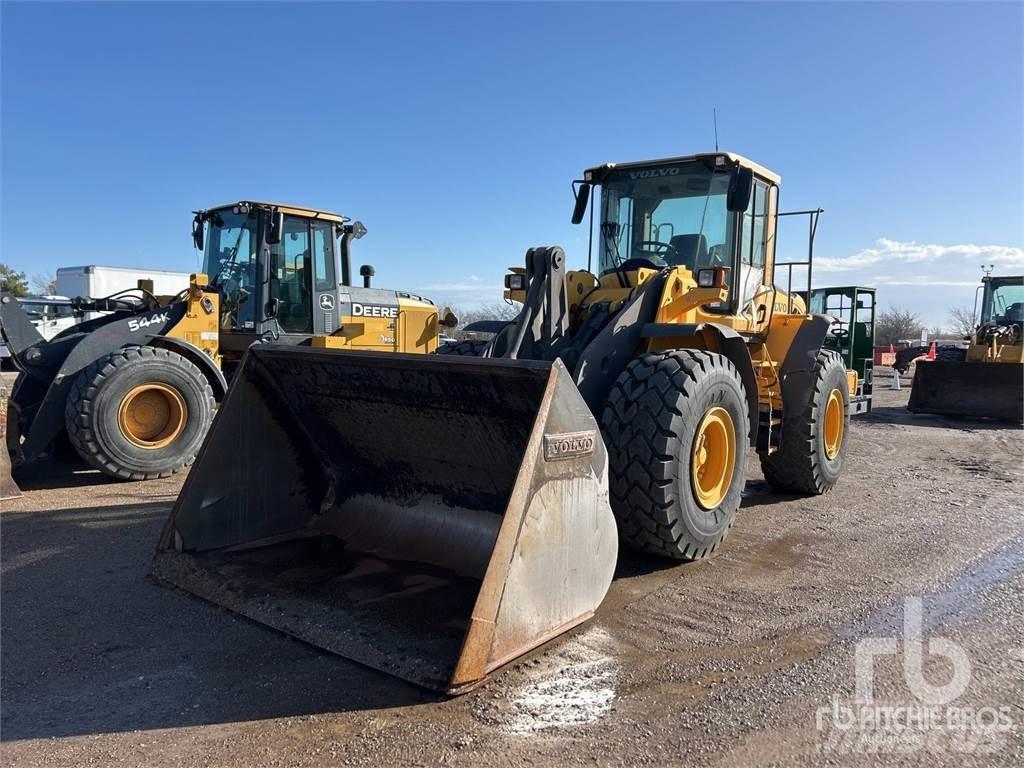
(284, 274)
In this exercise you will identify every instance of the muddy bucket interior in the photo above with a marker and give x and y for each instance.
(430, 516)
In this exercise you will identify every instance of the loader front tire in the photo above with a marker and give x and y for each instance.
(465, 348)
(813, 449)
(676, 427)
(139, 413)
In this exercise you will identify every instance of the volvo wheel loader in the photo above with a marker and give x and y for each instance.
(438, 516)
(987, 380)
(135, 390)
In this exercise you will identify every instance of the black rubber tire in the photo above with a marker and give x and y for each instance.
(466, 348)
(649, 423)
(801, 464)
(90, 415)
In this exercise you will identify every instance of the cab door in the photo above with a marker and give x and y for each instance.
(755, 293)
(303, 285)
(290, 281)
(325, 277)
(753, 246)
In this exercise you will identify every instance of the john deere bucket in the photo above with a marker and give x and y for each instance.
(432, 517)
(976, 389)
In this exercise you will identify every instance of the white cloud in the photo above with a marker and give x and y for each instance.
(467, 293)
(925, 278)
(895, 252)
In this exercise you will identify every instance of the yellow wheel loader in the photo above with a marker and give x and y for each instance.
(135, 389)
(988, 379)
(438, 516)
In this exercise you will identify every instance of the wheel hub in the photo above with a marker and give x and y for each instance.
(714, 458)
(152, 415)
(835, 424)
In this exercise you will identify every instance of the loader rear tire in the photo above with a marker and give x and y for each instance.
(139, 413)
(676, 427)
(813, 449)
(465, 348)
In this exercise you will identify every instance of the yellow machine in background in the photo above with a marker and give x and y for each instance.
(135, 389)
(436, 516)
(989, 380)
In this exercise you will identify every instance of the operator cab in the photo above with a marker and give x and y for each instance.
(700, 211)
(277, 269)
(1002, 301)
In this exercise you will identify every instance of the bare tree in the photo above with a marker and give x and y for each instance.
(45, 284)
(961, 320)
(493, 311)
(896, 324)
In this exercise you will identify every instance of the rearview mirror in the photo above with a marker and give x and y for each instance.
(197, 233)
(740, 185)
(275, 229)
(273, 307)
(582, 198)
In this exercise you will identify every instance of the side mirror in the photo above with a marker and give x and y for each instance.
(582, 198)
(741, 183)
(273, 307)
(197, 232)
(275, 229)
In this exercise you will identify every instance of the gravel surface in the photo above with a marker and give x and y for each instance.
(733, 661)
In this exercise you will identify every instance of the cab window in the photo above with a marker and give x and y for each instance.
(753, 241)
(323, 256)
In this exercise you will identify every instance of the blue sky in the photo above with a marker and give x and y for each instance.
(453, 130)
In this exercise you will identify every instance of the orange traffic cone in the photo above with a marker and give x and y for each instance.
(931, 352)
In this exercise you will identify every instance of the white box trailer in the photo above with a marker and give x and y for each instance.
(97, 282)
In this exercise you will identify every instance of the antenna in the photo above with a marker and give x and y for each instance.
(988, 270)
(714, 114)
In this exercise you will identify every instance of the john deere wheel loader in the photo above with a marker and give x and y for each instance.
(135, 390)
(988, 379)
(437, 516)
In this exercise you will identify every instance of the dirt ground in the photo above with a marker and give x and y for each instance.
(748, 658)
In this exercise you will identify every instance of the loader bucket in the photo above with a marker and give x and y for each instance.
(987, 390)
(433, 517)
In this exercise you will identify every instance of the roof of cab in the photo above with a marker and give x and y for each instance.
(294, 210)
(730, 157)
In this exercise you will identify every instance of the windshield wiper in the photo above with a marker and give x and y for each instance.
(610, 231)
(215, 282)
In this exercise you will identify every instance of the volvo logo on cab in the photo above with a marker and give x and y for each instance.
(653, 173)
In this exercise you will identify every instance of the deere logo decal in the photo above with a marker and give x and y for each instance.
(569, 445)
(373, 310)
(326, 301)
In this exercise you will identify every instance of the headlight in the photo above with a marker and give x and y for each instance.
(705, 278)
(515, 282)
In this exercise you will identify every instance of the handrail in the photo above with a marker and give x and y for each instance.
(812, 228)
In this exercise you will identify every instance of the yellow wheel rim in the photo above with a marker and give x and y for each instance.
(835, 423)
(152, 415)
(714, 458)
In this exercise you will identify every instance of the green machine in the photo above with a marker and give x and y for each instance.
(853, 335)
